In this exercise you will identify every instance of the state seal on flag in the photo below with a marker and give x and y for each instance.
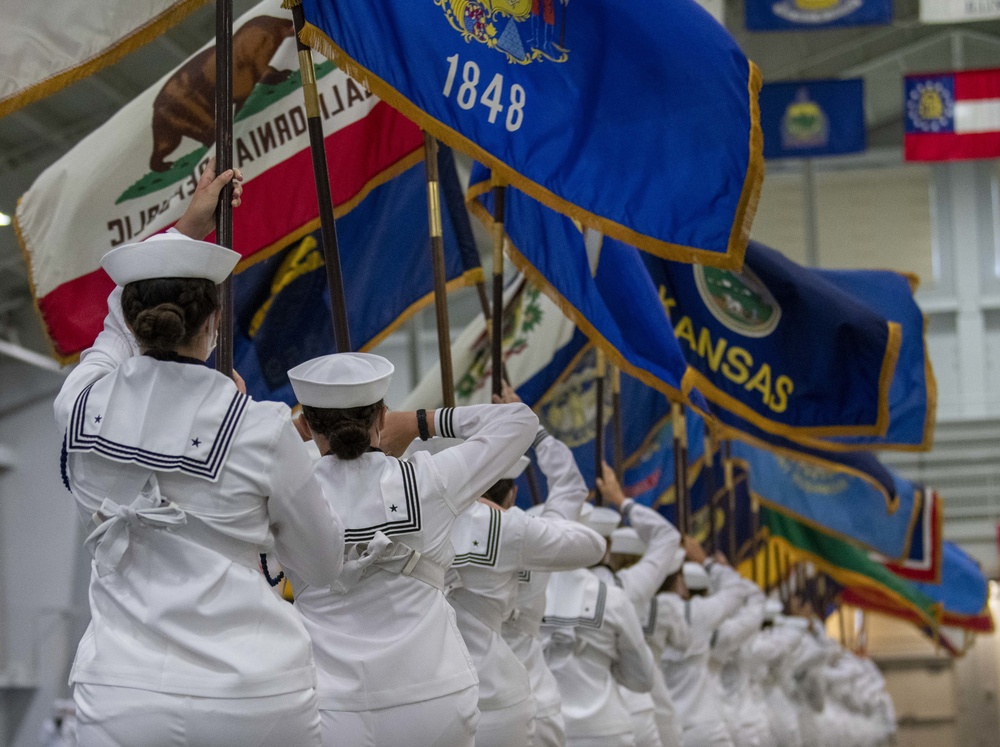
(930, 105)
(804, 125)
(814, 11)
(524, 30)
(812, 478)
(739, 301)
(568, 410)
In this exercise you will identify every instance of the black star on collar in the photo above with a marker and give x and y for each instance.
(475, 543)
(393, 508)
(196, 442)
(97, 418)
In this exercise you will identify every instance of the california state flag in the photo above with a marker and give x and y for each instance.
(133, 177)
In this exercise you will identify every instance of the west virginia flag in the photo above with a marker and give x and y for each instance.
(638, 119)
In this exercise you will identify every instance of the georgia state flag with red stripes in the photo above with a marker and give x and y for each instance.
(952, 116)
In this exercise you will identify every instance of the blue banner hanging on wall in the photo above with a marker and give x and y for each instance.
(798, 15)
(807, 118)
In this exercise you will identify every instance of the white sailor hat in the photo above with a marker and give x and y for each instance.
(626, 541)
(676, 561)
(772, 608)
(516, 469)
(169, 255)
(695, 576)
(585, 511)
(341, 380)
(603, 520)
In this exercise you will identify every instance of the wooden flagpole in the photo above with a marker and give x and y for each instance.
(440, 275)
(730, 500)
(708, 462)
(599, 420)
(224, 162)
(617, 436)
(683, 508)
(317, 146)
(499, 193)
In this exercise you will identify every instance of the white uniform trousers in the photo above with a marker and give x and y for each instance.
(667, 720)
(617, 740)
(513, 726)
(110, 716)
(644, 727)
(448, 721)
(550, 729)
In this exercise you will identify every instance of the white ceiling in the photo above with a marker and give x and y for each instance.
(34, 137)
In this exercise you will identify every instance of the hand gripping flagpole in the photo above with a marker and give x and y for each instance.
(440, 281)
(224, 162)
(599, 420)
(317, 146)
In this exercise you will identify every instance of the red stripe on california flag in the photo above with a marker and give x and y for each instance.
(949, 146)
(274, 205)
(977, 84)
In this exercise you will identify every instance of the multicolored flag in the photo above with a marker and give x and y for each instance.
(802, 15)
(601, 284)
(657, 144)
(848, 566)
(952, 116)
(42, 52)
(808, 118)
(133, 176)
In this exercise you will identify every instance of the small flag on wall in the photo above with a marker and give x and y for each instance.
(806, 118)
(798, 15)
(958, 11)
(952, 116)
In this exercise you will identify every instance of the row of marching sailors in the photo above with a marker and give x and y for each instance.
(422, 613)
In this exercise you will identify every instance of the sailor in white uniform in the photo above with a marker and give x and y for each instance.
(183, 480)
(686, 670)
(593, 643)
(392, 666)
(494, 543)
(654, 544)
(522, 628)
(666, 626)
(774, 650)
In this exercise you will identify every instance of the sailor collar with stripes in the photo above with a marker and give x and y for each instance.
(169, 416)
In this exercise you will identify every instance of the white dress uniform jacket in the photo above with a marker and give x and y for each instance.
(775, 649)
(686, 670)
(492, 548)
(593, 643)
(640, 582)
(666, 626)
(522, 628)
(731, 665)
(184, 481)
(384, 635)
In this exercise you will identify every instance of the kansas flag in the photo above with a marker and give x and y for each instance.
(808, 118)
(952, 116)
(640, 120)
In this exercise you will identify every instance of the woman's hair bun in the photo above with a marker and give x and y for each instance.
(161, 327)
(349, 439)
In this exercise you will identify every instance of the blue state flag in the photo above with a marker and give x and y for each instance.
(963, 591)
(600, 284)
(640, 120)
(803, 15)
(781, 347)
(282, 305)
(913, 394)
(808, 118)
(838, 503)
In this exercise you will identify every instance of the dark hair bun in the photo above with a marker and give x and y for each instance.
(161, 327)
(349, 439)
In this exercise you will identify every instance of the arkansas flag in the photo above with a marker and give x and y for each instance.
(133, 176)
(952, 116)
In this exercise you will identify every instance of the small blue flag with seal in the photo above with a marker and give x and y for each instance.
(807, 118)
(800, 15)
